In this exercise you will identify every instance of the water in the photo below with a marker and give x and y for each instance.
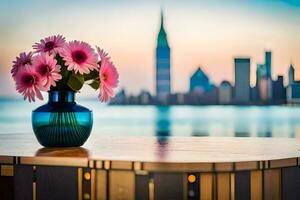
(250, 121)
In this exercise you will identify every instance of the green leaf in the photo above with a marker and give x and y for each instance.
(61, 84)
(95, 84)
(64, 72)
(76, 81)
(59, 60)
(92, 75)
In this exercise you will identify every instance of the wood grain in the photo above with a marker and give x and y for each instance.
(101, 185)
(206, 186)
(223, 186)
(272, 184)
(256, 187)
(121, 185)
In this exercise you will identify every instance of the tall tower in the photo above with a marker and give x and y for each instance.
(242, 80)
(291, 75)
(268, 63)
(163, 78)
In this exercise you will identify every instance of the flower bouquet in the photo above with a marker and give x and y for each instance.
(61, 68)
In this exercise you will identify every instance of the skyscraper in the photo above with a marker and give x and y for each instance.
(293, 89)
(261, 72)
(163, 78)
(291, 74)
(242, 80)
(279, 92)
(262, 83)
(268, 63)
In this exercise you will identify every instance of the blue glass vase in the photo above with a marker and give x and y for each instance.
(61, 122)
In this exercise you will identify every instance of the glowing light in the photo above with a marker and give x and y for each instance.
(191, 178)
(87, 176)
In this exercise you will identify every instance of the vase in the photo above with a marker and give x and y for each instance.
(62, 122)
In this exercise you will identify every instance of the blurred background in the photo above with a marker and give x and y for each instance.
(187, 68)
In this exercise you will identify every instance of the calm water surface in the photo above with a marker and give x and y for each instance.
(251, 121)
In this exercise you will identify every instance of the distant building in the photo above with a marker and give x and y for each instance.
(208, 98)
(133, 100)
(293, 89)
(291, 74)
(119, 98)
(263, 89)
(279, 92)
(264, 79)
(242, 80)
(293, 93)
(145, 98)
(225, 93)
(269, 89)
(176, 99)
(261, 82)
(268, 63)
(199, 82)
(261, 71)
(254, 96)
(163, 77)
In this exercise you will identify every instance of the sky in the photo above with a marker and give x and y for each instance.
(206, 34)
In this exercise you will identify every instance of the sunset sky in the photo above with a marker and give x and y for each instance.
(201, 33)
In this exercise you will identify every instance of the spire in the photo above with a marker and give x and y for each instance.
(161, 19)
(291, 73)
(162, 35)
(291, 68)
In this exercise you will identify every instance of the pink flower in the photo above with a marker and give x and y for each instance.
(29, 83)
(108, 77)
(45, 65)
(52, 44)
(20, 62)
(80, 56)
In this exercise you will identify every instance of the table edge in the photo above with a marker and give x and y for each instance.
(151, 166)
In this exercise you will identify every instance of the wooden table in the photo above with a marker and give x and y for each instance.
(151, 168)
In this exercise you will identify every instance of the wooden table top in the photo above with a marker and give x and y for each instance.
(152, 153)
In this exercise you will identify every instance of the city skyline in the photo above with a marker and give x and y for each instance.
(201, 34)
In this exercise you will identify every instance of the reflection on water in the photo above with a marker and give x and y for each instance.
(242, 134)
(162, 122)
(162, 129)
(239, 121)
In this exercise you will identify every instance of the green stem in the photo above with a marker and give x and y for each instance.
(67, 79)
(68, 76)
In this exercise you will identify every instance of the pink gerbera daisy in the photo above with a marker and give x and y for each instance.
(45, 65)
(108, 76)
(52, 44)
(80, 57)
(20, 62)
(29, 83)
